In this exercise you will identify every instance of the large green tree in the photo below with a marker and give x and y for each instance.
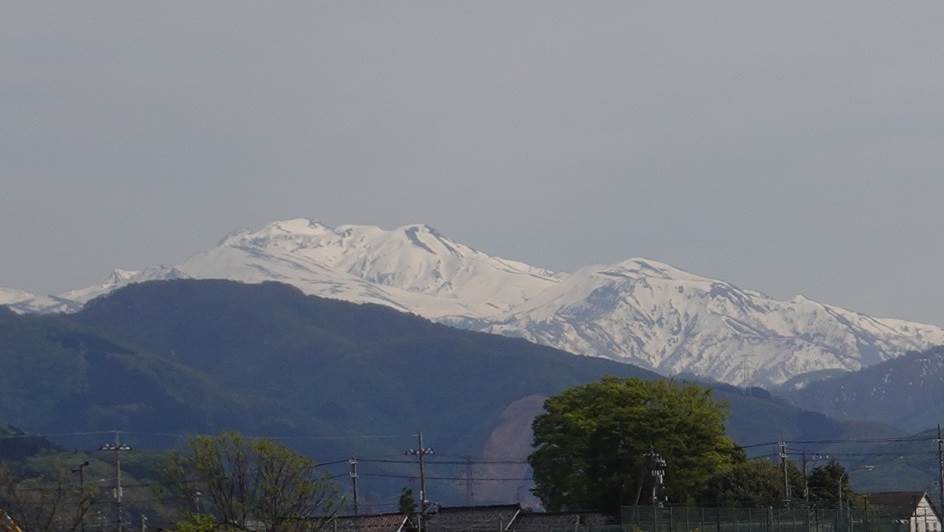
(596, 444)
(241, 482)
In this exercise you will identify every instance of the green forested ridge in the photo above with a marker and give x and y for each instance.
(207, 356)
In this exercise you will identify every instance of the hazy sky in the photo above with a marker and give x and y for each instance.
(792, 147)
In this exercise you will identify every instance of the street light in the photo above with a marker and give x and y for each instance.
(844, 474)
(81, 471)
(117, 447)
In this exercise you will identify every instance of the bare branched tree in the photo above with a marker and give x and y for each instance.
(246, 484)
(45, 504)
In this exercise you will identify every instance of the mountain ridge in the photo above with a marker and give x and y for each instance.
(638, 310)
(162, 359)
(896, 392)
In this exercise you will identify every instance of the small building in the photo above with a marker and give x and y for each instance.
(389, 522)
(911, 508)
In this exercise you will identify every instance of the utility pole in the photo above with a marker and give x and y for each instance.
(658, 476)
(353, 462)
(839, 494)
(786, 476)
(468, 481)
(117, 448)
(420, 453)
(940, 466)
(81, 471)
(806, 485)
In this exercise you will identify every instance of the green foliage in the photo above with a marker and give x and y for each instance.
(594, 442)
(245, 481)
(752, 483)
(824, 484)
(197, 523)
(407, 503)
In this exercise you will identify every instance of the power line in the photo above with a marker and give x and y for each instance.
(332, 462)
(445, 462)
(841, 441)
(863, 440)
(55, 434)
(486, 479)
(193, 434)
(828, 454)
(763, 444)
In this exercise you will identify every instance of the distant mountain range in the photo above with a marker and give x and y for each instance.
(905, 392)
(332, 378)
(638, 311)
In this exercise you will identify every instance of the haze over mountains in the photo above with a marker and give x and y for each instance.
(638, 311)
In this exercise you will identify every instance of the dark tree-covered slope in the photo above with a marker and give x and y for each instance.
(189, 356)
(905, 392)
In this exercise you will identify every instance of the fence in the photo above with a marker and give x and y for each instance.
(697, 519)
(770, 519)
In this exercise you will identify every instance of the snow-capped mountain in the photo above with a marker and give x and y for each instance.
(25, 302)
(639, 311)
(71, 301)
(118, 278)
(412, 268)
(12, 296)
(651, 314)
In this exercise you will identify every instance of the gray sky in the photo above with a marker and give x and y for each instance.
(791, 147)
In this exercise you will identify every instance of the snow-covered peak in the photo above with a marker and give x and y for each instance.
(119, 278)
(423, 270)
(11, 296)
(24, 302)
(294, 229)
(642, 267)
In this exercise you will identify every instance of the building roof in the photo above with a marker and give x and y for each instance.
(899, 503)
(369, 523)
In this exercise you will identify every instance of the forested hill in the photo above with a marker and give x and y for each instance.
(193, 356)
(903, 392)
